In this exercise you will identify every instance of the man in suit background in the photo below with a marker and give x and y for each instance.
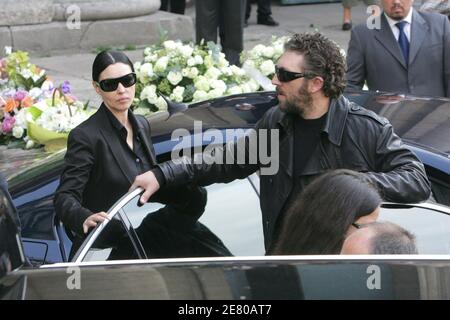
(409, 53)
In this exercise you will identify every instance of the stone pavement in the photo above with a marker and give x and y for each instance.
(325, 17)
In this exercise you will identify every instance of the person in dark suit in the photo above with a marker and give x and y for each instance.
(106, 152)
(176, 6)
(408, 53)
(227, 16)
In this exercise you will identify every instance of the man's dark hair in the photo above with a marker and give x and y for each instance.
(317, 220)
(322, 58)
(390, 238)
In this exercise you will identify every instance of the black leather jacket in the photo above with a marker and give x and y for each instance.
(352, 138)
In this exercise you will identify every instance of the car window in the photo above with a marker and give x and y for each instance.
(431, 227)
(113, 243)
(230, 225)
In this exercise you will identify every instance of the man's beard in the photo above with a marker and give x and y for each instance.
(300, 104)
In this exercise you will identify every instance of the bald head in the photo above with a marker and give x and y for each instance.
(380, 238)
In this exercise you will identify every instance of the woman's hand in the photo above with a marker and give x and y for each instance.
(93, 220)
(148, 182)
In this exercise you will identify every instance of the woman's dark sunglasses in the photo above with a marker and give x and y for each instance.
(109, 85)
(285, 76)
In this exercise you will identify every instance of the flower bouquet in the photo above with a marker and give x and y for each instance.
(26, 95)
(259, 62)
(186, 73)
(50, 120)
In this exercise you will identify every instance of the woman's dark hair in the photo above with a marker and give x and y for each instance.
(106, 58)
(317, 221)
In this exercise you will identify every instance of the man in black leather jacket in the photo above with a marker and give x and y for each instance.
(319, 130)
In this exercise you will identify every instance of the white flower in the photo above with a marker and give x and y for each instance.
(174, 77)
(177, 94)
(235, 90)
(198, 59)
(254, 86)
(149, 93)
(170, 45)
(17, 132)
(200, 95)
(26, 73)
(190, 73)
(186, 51)
(47, 85)
(22, 117)
(245, 88)
(161, 65)
(151, 57)
(161, 104)
(267, 67)
(237, 71)
(268, 52)
(201, 83)
(279, 49)
(191, 62)
(147, 51)
(259, 49)
(223, 62)
(212, 73)
(208, 61)
(35, 93)
(145, 72)
(218, 84)
(29, 144)
(8, 50)
(215, 93)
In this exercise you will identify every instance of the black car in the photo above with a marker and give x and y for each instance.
(229, 227)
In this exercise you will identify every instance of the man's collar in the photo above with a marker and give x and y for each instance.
(408, 18)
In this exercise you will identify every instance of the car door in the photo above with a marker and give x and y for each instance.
(230, 225)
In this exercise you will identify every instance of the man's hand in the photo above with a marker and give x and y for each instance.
(148, 182)
(93, 220)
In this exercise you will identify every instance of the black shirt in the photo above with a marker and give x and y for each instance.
(138, 154)
(306, 140)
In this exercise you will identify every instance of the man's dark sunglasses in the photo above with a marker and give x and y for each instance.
(285, 76)
(109, 85)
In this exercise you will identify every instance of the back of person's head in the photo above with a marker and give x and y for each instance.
(106, 58)
(323, 58)
(318, 220)
(382, 238)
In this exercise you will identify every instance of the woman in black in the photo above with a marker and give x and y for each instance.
(105, 154)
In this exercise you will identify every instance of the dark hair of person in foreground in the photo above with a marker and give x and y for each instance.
(318, 221)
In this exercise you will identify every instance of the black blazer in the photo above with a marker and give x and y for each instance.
(96, 172)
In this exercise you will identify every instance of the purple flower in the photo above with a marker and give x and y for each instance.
(20, 95)
(65, 87)
(8, 123)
